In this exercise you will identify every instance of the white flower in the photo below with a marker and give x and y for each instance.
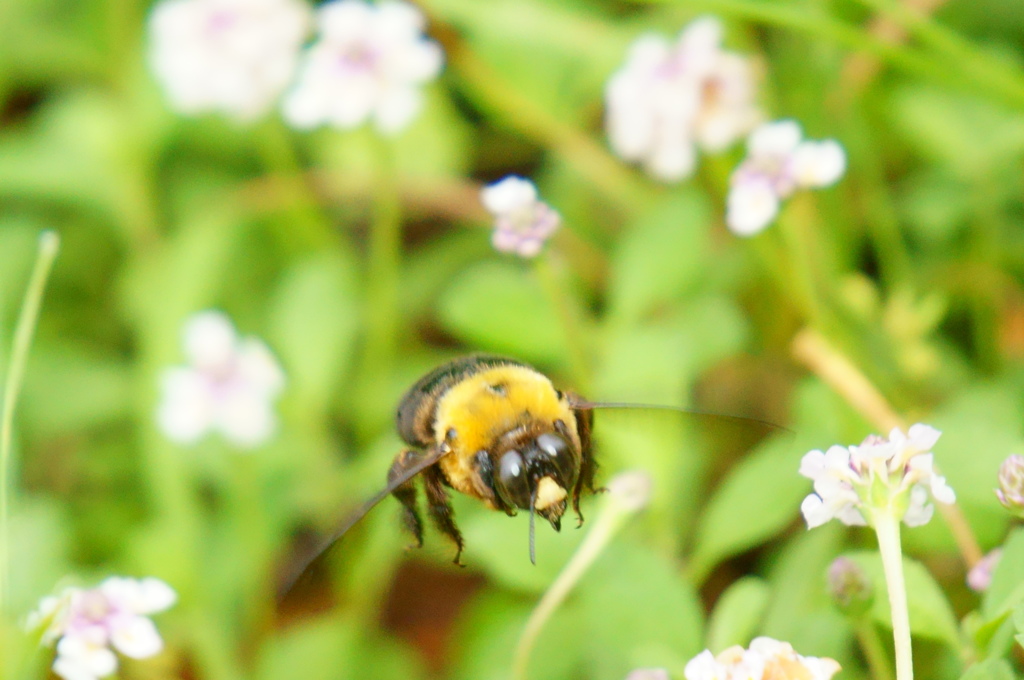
(522, 222)
(777, 164)
(766, 659)
(668, 99)
(232, 56)
(369, 63)
(229, 386)
(89, 625)
(894, 476)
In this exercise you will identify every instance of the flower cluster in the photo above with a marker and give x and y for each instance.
(88, 626)
(368, 64)
(777, 164)
(1011, 484)
(766, 659)
(239, 56)
(669, 99)
(522, 222)
(229, 385)
(233, 56)
(895, 476)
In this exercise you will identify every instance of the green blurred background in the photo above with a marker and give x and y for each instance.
(363, 262)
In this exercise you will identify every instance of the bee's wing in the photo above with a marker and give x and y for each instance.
(680, 412)
(428, 459)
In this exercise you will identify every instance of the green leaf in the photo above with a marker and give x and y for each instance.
(801, 610)
(499, 545)
(500, 307)
(1006, 591)
(659, 257)
(318, 650)
(970, 136)
(737, 614)
(931, 615)
(490, 628)
(990, 669)
(761, 494)
(58, 369)
(314, 321)
(638, 613)
(759, 497)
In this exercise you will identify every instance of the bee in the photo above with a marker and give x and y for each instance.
(495, 429)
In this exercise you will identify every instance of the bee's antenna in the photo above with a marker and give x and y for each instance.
(533, 501)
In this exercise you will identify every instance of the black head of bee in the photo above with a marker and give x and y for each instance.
(537, 472)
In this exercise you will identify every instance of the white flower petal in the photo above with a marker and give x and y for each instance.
(135, 637)
(815, 511)
(923, 437)
(84, 655)
(751, 207)
(246, 418)
(704, 667)
(941, 491)
(919, 510)
(258, 369)
(812, 465)
(778, 139)
(509, 194)
(818, 164)
(209, 340)
(672, 159)
(396, 108)
(185, 412)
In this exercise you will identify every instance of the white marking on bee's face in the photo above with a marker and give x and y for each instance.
(548, 493)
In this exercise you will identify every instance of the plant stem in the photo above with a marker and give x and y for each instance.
(304, 227)
(874, 652)
(574, 339)
(627, 494)
(49, 244)
(381, 306)
(887, 527)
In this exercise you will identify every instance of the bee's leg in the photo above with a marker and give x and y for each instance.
(439, 506)
(588, 466)
(406, 494)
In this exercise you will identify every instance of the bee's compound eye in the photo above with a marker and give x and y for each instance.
(512, 480)
(560, 455)
(552, 445)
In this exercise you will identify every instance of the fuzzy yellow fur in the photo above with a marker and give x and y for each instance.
(479, 415)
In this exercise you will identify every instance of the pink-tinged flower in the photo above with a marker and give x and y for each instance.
(777, 164)
(850, 587)
(229, 386)
(522, 222)
(368, 64)
(89, 626)
(231, 56)
(979, 578)
(669, 99)
(1011, 484)
(894, 476)
(765, 659)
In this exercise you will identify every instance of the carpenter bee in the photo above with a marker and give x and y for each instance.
(498, 430)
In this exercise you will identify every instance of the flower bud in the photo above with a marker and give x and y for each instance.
(979, 578)
(850, 587)
(1011, 484)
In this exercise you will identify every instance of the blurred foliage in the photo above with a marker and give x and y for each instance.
(912, 267)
